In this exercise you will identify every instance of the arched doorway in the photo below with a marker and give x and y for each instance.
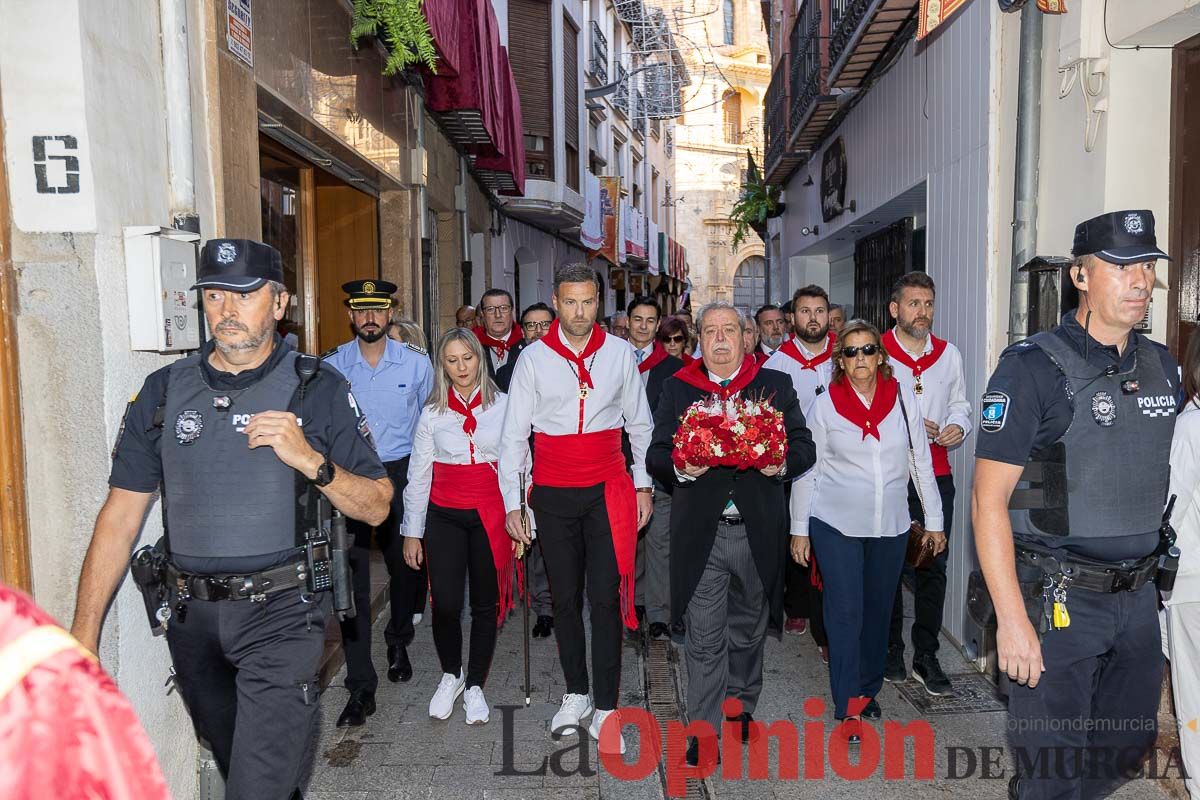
(750, 284)
(525, 280)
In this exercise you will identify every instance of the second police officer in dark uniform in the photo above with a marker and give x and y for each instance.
(1070, 485)
(391, 382)
(245, 439)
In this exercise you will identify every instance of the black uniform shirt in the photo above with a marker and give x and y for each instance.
(1039, 410)
(333, 426)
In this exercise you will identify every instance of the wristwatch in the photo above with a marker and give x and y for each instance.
(325, 473)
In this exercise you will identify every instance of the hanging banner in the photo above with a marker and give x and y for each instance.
(591, 234)
(653, 247)
(935, 12)
(610, 221)
(1045, 6)
(635, 232)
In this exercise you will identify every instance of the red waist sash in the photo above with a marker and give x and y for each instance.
(476, 487)
(586, 459)
(941, 459)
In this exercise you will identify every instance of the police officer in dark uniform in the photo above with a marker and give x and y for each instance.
(245, 439)
(391, 381)
(1070, 483)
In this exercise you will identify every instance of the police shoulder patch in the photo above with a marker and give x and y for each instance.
(416, 348)
(993, 412)
(328, 353)
(364, 430)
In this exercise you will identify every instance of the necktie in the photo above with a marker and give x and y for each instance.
(725, 383)
(641, 355)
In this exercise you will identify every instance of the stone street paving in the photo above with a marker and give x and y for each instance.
(401, 753)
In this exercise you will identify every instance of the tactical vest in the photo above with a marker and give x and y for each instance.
(223, 499)
(1107, 474)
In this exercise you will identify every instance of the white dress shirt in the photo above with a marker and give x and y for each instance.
(808, 383)
(1185, 516)
(544, 397)
(860, 485)
(440, 438)
(944, 395)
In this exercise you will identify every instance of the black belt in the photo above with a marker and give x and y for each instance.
(732, 521)
(291, 575)
(1096, 576)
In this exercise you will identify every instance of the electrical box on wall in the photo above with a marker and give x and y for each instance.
(160, 269)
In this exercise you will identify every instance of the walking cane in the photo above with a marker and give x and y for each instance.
(521, 553)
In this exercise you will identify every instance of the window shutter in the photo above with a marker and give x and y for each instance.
(571, 82)
(529, 52)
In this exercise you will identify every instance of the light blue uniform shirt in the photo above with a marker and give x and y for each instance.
(391, 395)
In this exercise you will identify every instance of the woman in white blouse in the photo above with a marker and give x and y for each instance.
(851, 511)
(452, 506)
(1183, 602)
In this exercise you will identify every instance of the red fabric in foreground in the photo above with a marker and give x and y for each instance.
(586, 459)
(696, 374)
(66, 731)
(476, 486)
(847, 403)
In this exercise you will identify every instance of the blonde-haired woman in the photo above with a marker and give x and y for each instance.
(851, 510)
(453, 507)
(405, 330)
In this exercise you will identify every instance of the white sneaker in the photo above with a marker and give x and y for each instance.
(448, 690)
(417, 618)
(598, 724)
(574, 708)
(476, 706)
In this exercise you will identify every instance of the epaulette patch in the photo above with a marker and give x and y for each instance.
(327, 353)
(416, 348)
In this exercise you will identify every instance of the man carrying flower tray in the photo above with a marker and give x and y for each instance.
(727, 436)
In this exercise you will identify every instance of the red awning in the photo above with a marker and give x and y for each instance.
(467, 103)
(505, 172)
(443, 19)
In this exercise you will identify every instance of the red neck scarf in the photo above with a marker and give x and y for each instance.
(555, 343)
(917, 365)
(696, 374)
(792, 349)
(760, 356)
(499, 346)
(657, 355)
(848, 404)
(456, 404)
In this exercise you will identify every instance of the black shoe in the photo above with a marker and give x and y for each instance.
(745, 718)
(928, 671)
(872, 710)
(893, 669)
(543, 628)
(399, 667)
(1014, 788)
(659, 630)
(693, 752)
(360, 706)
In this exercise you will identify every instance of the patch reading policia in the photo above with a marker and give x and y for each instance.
(993, 411)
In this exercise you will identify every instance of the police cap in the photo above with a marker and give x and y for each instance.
(239, 264)
(1119, 237)
(369, 294)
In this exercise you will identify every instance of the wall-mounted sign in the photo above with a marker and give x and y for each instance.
(239, 30)
(833, 180)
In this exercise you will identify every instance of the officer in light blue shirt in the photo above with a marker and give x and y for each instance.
(390, 381)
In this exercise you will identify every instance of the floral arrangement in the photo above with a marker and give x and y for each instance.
(739, 432)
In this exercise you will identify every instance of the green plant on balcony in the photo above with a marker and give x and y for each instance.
(401, 26)
(756, 204)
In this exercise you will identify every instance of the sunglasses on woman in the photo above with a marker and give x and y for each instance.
(673, 339)
(866, 350)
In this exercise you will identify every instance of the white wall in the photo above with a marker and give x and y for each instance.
(77, 370)
(532, 245)
(926, 120)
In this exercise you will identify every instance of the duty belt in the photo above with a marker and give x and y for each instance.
(733, 522)
(257, 586)
(1084, 573)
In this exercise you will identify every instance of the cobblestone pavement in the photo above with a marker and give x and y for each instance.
(401, 753)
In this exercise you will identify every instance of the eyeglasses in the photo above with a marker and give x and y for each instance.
(674, 339)
(536, 326)
(496, 310)
(866, 350)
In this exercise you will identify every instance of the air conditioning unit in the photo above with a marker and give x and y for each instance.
(1081, 34)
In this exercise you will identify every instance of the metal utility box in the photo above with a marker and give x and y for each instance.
(160, 269)
(1051, 293)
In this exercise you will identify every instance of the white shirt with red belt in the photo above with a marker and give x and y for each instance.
(943, 389)
(810, 373)
(859, 484)
(544, 396)
(440, 438)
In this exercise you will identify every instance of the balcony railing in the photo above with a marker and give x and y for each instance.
(598, 63)
(621, 96)
(805, 56)
(844, 18)
(639, 114)
(861, 32)
(776, 108)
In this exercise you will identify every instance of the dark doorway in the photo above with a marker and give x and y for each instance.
(879, 260)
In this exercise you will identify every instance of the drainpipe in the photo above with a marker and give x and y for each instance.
(1029, 128)
(178, 102)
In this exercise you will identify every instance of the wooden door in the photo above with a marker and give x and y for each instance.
(347, 243)
(1183, 273)
(289, 225)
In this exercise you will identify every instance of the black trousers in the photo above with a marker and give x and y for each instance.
(1094, 713)
(803, 600)
(406, 587)
(248, 674)
(929, 598)
(457, 548)
(577, 541)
